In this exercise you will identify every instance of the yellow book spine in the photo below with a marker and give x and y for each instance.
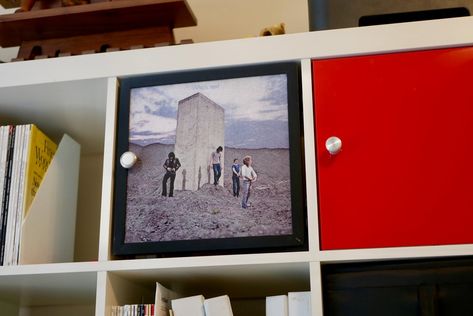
(41, 150)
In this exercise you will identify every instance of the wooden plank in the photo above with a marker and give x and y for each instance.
(98, 42)
(101, 17)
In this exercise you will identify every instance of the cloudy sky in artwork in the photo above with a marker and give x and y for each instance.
(256, 114)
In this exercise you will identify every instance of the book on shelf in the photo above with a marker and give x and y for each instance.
(199, 306)
(292, 304)
(277, 305)
(13, 196)
(133, 310)
(163, 298)
(29, 154)
(218, 306)
(4, 133)
(6, 187)
(299, 303)
(169, 303)
(189, 306)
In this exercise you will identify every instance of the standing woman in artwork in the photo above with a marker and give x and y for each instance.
(236, 178)
(171, 165)
(249, 176)
(215, 159)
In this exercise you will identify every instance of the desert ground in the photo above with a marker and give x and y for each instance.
(212, 211)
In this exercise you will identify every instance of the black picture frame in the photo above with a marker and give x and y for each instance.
(124, 202)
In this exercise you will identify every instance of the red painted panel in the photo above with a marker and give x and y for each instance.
(404, 176)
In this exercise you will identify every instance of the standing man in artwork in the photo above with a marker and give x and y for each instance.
(171, 165)
(249, 176)
(236, 178)
(215, 159)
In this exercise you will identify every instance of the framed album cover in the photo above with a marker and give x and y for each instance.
(210, 161)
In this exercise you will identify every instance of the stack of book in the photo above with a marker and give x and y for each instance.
(292, 304)
(133, 310)
(170, 303)
(25, 154)
(199, 306)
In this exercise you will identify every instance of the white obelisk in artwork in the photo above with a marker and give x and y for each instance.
(200, 130)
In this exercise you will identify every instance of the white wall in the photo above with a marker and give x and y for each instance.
(226, 19)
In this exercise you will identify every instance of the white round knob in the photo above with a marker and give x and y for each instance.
(333, 145)
(128, 159)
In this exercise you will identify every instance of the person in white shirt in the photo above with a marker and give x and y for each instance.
(249, 176)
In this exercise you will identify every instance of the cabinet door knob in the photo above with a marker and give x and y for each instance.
(333, 145)
(128, 159)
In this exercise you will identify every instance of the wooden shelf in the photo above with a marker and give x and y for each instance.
(101, 17)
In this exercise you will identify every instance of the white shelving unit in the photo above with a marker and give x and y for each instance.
(77, 95)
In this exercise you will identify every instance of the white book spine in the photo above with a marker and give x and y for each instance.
(277, 305)
(189, 306)
(218, 306)
(299, 303)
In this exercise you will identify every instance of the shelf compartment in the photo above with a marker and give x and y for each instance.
(247, 284)
(78, 109)
(409, 287)
(49, 292)
(400, 180)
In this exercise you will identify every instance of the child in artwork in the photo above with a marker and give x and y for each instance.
(249, 176)
(236, 178)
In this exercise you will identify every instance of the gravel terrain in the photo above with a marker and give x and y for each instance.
(212, 211)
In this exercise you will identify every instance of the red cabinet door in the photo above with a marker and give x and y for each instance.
(404, 175)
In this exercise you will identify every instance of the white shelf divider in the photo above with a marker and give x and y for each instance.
(316, 289)
(106, 214)
(310, 159)
(101, 295)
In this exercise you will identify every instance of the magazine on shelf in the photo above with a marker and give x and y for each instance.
(13, 199)
(40, 154)
(3, 161)
(6, 190)
(28, 156)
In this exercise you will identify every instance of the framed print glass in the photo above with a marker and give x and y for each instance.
(210, 161)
